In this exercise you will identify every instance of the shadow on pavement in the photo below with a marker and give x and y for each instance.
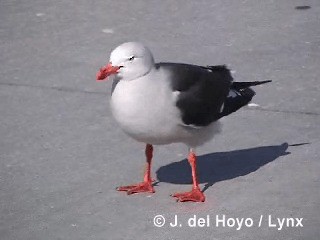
(303, 7)
(215, 167)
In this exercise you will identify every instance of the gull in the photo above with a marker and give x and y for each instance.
(164, 103)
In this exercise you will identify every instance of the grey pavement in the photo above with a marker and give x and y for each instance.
(62, 153)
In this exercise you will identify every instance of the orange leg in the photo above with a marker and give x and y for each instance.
(146, 185)
(195, 195)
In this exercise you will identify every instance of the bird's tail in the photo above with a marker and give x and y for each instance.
(243, 90)
(240, 95)
(242, 85)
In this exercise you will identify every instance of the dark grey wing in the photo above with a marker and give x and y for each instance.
(203, 90)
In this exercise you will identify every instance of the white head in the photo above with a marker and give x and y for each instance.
(128, 61)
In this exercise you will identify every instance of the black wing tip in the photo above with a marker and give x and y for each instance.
(219, 68)
(243, 85)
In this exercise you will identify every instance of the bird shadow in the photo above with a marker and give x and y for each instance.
(220, 166)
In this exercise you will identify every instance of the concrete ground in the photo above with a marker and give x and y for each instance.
(62, 153)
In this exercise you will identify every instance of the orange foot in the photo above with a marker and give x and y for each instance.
(195, 195)
(137, 188)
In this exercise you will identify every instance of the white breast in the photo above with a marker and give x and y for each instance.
(145, 109)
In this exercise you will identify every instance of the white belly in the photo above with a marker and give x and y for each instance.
(147, 111)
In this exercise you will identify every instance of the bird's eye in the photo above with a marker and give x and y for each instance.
(131, 58)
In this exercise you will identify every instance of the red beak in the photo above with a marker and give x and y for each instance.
(107, 71)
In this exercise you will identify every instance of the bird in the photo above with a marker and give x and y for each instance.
(164, 103)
